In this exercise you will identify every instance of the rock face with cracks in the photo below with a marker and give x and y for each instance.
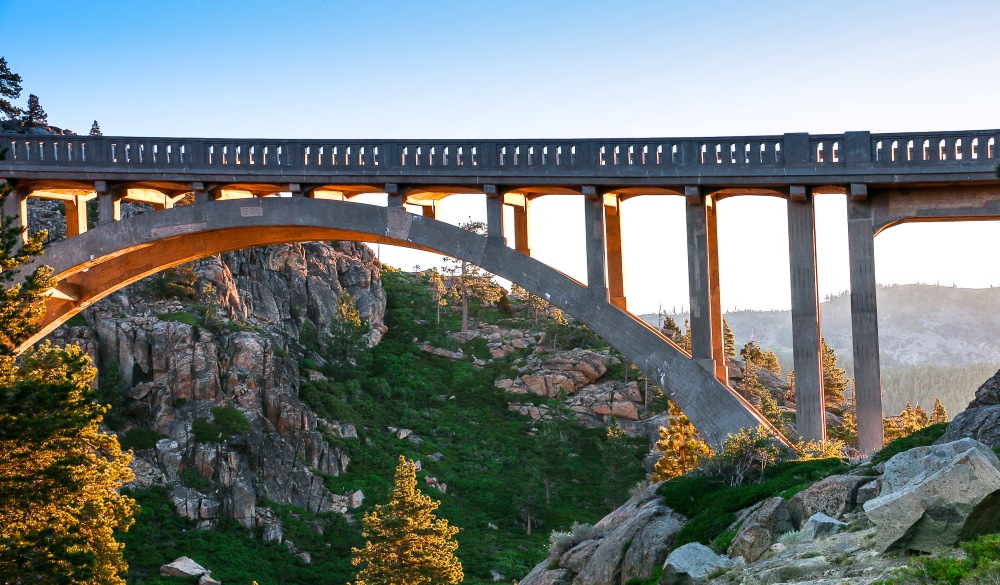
(175, 370)
(935, 496)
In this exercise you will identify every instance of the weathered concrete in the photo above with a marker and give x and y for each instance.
(111, 256)
(891, 179)
(864, 325)
(807, 355)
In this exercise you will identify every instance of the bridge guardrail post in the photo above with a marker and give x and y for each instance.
(795, 148)
(858, 148)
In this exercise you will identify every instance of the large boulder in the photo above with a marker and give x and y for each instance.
(988, 394)
(183, 567)
(832, 496)
(761, 529)
(819, 525)
(935, 496)
(981, 423)
(691, 564)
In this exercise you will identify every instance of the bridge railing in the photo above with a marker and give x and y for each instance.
(618, 156)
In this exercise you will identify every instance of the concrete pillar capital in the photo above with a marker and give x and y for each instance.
(492, 191)
(693, 195)
(798, 193)
(590, 192)
(858, 192)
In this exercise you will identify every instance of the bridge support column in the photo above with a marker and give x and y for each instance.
(76, 216)
(864, 320)
(109, 199)
(807, 354)
(707, 343)
(613, 241)
(396, 197)
(494, 215)
(522, 221)
(16, 206)
(594, 234)
(201, 194)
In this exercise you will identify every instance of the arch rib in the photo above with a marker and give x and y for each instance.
(103, 260)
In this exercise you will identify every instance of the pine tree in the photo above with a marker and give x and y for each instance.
(36, 116)
(95, 130)
(346, 345)
(470, 281)
(834, 381)
(21, 303)
(770, 363)
(670, 329)
(439, 290)
(59, 474)
(10, 89)
(619, 458)
(685, 342)
(939, 414)
(406, 543)
(729, 341)
(681, 446)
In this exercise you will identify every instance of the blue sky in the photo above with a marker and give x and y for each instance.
(544, 69)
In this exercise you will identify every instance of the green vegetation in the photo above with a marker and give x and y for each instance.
(508, 488)
(711, 503)
(236, 554)
(923, 437)
(138, 439)
(981, 566)
(181, 317)
(228, 422)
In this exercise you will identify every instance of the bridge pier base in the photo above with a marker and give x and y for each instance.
(864, 323)
(810, 413)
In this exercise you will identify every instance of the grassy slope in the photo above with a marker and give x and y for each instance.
(454, 408)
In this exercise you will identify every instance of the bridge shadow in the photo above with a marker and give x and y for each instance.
(109, 257)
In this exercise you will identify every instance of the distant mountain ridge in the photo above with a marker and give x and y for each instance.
(934, 340)
(918, 324)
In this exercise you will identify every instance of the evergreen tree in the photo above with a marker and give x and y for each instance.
(847, 431)
(36, 116)
(770, 363)
(939, 414)
(439, 290)
(21, 303)
(470, 281)
(346, 345)
(10, 89)
(669, 328)
(766, 404)
(59, 474)
(406, 543)
(95, 130)
(729, 341)
(681, 446)
(621, 466)
(685, 342)
(834, 381)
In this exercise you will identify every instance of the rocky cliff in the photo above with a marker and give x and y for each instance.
(206, 387)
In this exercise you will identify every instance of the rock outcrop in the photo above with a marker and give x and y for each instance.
(934, 496)
(631, 542)
(174, 371)
(981, 423)
(691, 564)
(761, 529)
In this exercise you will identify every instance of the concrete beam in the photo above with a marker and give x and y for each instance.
(594, 235)
(613, 242)
(807, 355)
(864, 325)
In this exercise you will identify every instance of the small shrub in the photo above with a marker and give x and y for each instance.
(793, 537)
(205, 431)
(77, 321)
(809, 554)
(180, 317)
(195, 481)
(744, 456)
(563, 541)
(230, 420)
(138, 439)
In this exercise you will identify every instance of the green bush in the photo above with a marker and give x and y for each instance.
(922, 438)
(205, 431)
(138, 439)
(981, 566)
(180, 317)
(194, 480)
(711, 503)
(230, 421)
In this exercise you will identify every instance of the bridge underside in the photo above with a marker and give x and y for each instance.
(109, 257)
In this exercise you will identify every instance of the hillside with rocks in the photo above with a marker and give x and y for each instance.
(866, 523)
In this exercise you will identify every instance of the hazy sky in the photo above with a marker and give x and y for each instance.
(301, 69)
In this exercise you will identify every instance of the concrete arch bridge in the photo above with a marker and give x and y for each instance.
(214, 195)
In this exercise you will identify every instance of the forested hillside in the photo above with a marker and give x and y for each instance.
(934, 340)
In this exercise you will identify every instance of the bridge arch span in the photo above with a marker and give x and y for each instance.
(96, 263)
